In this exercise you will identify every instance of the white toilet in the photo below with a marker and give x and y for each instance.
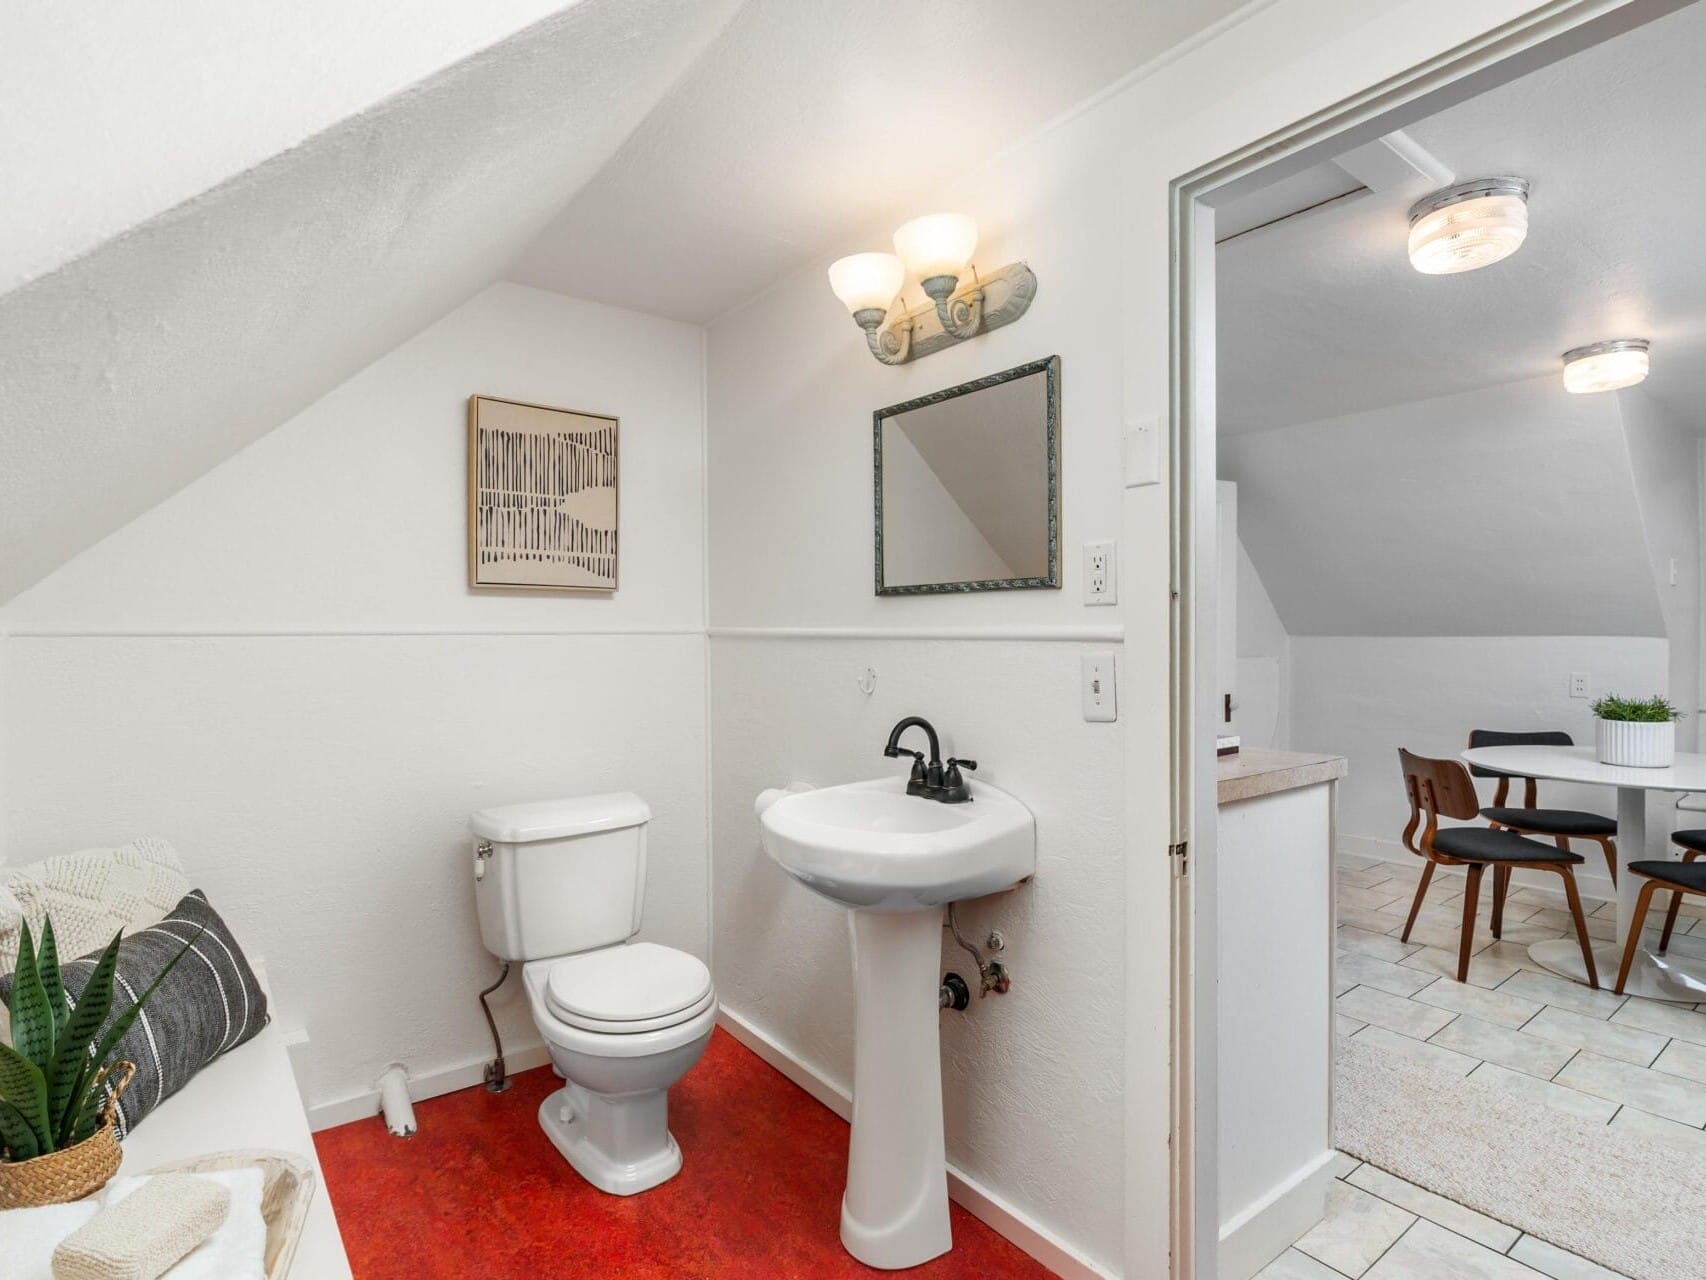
(560, 886)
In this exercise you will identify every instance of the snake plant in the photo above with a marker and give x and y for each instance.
(51, 1073)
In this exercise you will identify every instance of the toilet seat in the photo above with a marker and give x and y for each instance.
(630, 1041)
(628, 989)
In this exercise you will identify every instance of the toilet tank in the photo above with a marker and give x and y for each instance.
(560, 876)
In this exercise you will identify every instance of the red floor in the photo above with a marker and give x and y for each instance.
(480, 1191)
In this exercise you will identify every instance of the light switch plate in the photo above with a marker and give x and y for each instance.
(1142, 452)
(1101, 700)
(1101, 573)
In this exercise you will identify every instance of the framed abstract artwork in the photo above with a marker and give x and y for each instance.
(541, 497)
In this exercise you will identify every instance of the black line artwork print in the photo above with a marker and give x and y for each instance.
(545, 499)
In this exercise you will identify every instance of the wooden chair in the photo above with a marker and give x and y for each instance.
(1562, 825)
(1443, 789)
(1687, 876)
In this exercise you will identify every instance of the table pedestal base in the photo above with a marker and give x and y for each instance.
(1669, 977)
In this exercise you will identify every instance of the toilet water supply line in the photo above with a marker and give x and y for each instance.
(497, 1075)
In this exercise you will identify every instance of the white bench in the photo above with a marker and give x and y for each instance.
(246, 1099)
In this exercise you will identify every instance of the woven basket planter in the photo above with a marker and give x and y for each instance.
(62, 1176)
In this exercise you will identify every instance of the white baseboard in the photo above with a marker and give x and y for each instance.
(1591, 877)
(982, 1203)
(1267, 1228)
(360, 1106)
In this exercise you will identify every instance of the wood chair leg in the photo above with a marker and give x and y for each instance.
(1501, 886)
(1471, 893)
(1416, 906)
(1610, 847)
(1670, 921)
(1635, 927)
(1581, 924)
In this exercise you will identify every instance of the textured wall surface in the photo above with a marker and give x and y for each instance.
(138, 367)
(282, 671)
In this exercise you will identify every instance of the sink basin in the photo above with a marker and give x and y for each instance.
(869, 845)
(896, 861)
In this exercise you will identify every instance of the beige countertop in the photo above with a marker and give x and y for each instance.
(1251, 773)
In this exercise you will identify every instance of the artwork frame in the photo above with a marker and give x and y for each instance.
(543, 497)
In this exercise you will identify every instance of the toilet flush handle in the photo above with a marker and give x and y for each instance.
(482, 855)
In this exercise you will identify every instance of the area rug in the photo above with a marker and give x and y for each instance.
(1627, 1201)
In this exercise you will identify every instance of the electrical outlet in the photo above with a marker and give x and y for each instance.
(1101, 573)
(1579, 684)
(1101, 701)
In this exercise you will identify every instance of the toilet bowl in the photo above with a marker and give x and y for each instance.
(610, 1120)
(559, 887)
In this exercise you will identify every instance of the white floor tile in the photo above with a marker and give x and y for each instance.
(1683, 1059)
(1663, 1095)
(1665, 1019)
(1344, 1165)
(1489, 1006)
(1514, 1049)
(1382, 975)
(1382, 946)
(1549, 988)
(1550, 1260)
(1545, 1092)
(1358, 1228)
(1685, 1136)
(1357, 861)
(1346, 1026)
(1395, 1013)
(1608, 1039)
(1435, 1208)
(1485, 970)
(1292, 1265)
(1375, 899)
(1437, 1055)
(1429, 1252)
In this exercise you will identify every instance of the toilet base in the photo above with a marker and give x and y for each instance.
(622, 1146)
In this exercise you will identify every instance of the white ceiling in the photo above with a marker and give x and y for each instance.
(808, 120)
(1322, 315)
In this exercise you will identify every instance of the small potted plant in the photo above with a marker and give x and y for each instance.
(57, 1137)
(1640, 732)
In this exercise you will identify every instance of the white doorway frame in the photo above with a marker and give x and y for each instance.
(1545, 35)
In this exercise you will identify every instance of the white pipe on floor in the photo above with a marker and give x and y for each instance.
(394, 1101)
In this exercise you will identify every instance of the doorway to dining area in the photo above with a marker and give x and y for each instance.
(1460, 399)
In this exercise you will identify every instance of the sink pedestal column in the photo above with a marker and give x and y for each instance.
(895, 1211)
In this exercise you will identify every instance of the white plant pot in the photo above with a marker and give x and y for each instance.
(1639, 744)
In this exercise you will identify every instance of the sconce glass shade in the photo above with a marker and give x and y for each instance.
(937, 247)
(867, 282)
(1469, 226)
(1606, 366)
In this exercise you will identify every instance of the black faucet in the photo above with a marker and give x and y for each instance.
(933, 781)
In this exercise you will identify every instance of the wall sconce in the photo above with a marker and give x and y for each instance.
(936, 250)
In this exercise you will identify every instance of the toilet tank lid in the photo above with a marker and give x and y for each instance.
(554, 819)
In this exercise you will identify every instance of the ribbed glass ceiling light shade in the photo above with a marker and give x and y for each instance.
(1468, 226)
(1606, 366)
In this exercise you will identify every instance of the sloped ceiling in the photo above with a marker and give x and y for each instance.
(132, 370)
(1322, 315)
(1506, 511)
(810, 119)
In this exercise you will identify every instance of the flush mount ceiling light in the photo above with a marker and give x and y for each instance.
(1606, 366)
(936, 250)
(1468, 226)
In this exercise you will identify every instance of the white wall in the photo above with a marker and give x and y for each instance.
(282, 670)
(1264, 663)
(1033, 1078)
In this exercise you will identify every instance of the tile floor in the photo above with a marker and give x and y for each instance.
(1626, 1061)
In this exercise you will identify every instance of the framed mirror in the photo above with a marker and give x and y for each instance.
(968, 486)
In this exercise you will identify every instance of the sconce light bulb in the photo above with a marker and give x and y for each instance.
(936, 249)
(867, 283)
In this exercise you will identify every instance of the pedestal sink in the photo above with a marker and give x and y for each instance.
(895, 861)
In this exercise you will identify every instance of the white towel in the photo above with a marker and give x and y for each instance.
(237, 1251)
(28, 1237)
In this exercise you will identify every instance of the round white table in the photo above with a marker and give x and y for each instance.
(1667, 977)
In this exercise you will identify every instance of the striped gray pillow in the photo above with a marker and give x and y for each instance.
(208, 1005)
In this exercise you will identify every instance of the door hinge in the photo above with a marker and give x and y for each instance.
(1180, 854)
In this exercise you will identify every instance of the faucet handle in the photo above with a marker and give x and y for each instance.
(964, 764)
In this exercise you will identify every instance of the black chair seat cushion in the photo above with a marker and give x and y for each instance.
(1555, 822)
(1687, 875)
(1691, 840)
(1482, 844)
